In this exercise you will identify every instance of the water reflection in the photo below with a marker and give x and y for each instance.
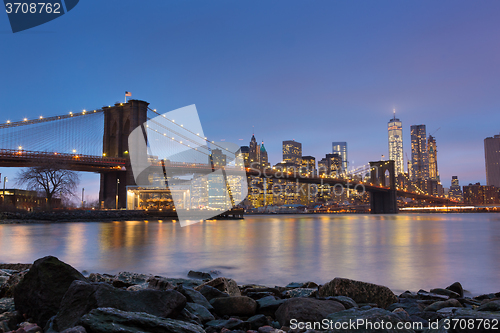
(400, 251)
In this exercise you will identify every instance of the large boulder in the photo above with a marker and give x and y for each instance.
(234, 306)
(210, 292)
(374, 317)
(360, 292)
(82, 297)
(227, 286)
(42, 288)
(194, 296)
(306, 310)
(268, 305)
(443, 304)
(109, 320)
(456, 287)
(200, 311)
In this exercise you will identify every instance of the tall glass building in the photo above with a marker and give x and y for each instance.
(341, 149)
(395, 131)
(432, 153)
(419, 157)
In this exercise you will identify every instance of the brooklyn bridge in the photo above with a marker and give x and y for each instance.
(97, 141)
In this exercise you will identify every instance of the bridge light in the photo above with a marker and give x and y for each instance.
(74, 150)
(154, 110)
(55, 153)
(41, 117)
(20, 147)
(25, 119)
(182, 125)
(8, 121)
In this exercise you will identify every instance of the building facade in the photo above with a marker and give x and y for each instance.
(419, 156)
(492, 160)
(292, 152)
(455, 192)
(341, 149)
(479, 195)
(395, 132)
(432, 154)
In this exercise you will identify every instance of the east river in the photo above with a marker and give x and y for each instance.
(403, 252)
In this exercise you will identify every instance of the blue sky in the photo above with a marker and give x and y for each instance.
(313, 71)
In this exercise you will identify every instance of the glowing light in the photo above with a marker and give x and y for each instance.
(8, 121)
(25, 119)
(104, 154)
(20, 147)
(41, 117)
(74, 150)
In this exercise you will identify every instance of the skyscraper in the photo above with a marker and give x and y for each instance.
(419, 157)
(432, 153)
(308, 166)
(455, 193)
(395, 131)
(264, 162)
(341, 149)
(253, 155)
(492, 160)
(292, 152)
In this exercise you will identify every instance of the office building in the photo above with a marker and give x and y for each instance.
(292, 152)
(455, 192)
(245, 152)
(263, 159)
(341, 149)
(395, 132)
(432, 155)
(492, 160)
(308, 167)
(419, 157)
(254, 153)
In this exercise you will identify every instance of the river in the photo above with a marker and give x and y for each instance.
(403, 252)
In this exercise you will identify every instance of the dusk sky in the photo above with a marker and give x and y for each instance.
(313, 71)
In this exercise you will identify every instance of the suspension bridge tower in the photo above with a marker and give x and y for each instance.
(119, 121)
(383, 201)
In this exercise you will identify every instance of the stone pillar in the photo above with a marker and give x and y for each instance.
(383, 201)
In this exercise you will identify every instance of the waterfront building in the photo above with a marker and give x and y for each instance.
(341, 149)
(395, 133)
(245, 152)
(478, 195)
(432, 155)
(419, 157)
(492, 160)
(455, 193)
(292, 152)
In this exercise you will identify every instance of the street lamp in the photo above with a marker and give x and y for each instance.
(117, 184)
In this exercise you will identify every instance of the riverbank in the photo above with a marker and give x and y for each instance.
(54, 297)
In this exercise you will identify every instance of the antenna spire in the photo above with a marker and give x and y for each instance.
(394, 112)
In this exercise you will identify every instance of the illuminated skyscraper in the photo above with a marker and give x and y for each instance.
(432, 153)
(308, 167)
(419, 157)
(492, 160)
(341, 149)
(254, 154)
(264, 163)
(395, 131)
(292, 152)
(455, 193)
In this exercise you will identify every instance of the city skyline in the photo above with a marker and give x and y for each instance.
(279, 76)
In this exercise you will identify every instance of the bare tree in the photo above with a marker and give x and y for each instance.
(52, 179)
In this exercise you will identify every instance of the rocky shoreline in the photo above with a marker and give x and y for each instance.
(50, 296)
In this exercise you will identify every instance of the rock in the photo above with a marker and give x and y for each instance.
(443, 304)
(109, 320)
(234, 306)
(96, 277)
(16, 267)
(199, 275)
(137, 287)
(257, 321)
(76, 329)
(485, 296)
(200, 311)
(127, 279)
(424, 295)
(9, 321)
(160, 280)
(6, 305)
(402, 314)
(411, 306)
(82, 297)
(373, 316)
(445, 292)
(42, 288)
(306, 309)
(194, 296)
(228, 286)
(268, 305)
(295, 285)
(187, 316)
(360, 292)
(490, 306)
(447, 311)
(211, 292)
(347, 302)
(27, 327)
(457, 288)
(231, 324)
(259, 295)
(300, 292)
(160, 283)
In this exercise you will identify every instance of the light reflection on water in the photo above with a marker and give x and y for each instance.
(400, 251)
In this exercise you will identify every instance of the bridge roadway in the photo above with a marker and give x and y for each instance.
(100, 164)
